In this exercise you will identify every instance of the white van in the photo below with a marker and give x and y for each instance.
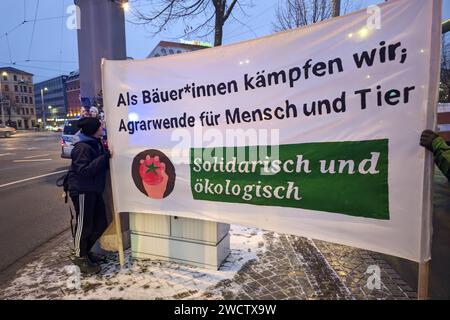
(69, 137)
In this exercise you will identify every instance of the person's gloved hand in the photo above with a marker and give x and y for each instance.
(426, 139)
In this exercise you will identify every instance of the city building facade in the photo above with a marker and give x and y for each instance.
(165, 48)
(17, 107)
(54, 102)
(443, 120)
(73, 94)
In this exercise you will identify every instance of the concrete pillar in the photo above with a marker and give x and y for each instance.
(101, 34)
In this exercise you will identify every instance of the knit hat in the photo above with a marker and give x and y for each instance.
(93, 109)
(89, 126)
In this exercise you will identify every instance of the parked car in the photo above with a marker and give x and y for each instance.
(6, 131)
(69, 137)
(12, 124)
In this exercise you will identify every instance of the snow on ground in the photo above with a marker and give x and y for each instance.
(52, 277)
(262, 265)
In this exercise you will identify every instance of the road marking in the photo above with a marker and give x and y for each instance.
(32, 148)
(6, 154)
(42, 139)
(42, 155)
(33, 178)
(32, 160)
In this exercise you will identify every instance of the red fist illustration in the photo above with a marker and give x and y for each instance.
(154, 177)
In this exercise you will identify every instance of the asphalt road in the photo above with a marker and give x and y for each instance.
(32, 210)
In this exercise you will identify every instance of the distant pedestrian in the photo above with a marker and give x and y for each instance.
(86, 182)
(84, 112)
(441, 151)
(94, 112)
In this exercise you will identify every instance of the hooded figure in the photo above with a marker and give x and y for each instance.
(86, 182)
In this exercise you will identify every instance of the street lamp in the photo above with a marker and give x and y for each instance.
(42, 105)
(123, 3)
(4, 74)
(52, 113)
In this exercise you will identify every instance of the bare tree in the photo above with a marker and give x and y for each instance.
(202, 17)
(296, 13)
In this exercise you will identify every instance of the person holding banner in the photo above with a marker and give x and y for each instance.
(86, 182)
(441, 151)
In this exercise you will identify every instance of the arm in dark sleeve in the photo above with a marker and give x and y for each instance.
(441, 153)
(83, 165)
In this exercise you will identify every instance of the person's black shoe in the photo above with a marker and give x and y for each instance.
(86, 266)
(95, 259)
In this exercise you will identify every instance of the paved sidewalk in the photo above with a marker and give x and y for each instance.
(262, 265)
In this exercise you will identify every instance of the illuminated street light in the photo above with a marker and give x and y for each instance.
(42, 105)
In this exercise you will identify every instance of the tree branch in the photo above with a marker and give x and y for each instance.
(230, 8)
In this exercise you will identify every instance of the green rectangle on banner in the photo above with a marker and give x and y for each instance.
(342, 177)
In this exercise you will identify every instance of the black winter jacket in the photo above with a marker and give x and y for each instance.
(90, 162)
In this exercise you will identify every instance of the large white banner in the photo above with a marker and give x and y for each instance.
(313, 132)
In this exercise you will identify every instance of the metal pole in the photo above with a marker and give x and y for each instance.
(43, 108)
(1, 100)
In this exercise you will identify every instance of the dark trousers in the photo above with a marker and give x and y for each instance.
(91, 221)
